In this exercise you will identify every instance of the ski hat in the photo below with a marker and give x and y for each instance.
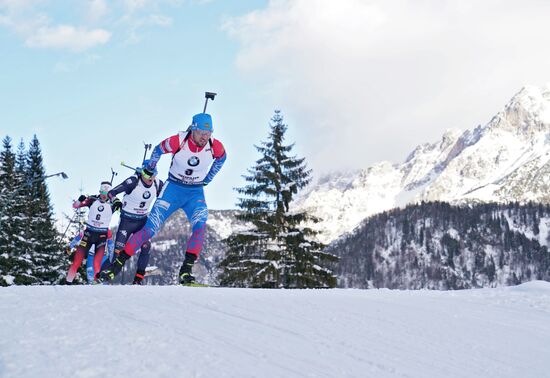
(202, 121)
(105, 187)
(148, 170)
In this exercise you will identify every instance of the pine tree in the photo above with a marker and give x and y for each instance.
(278, 250)
(7, 166)
(48, 258)
(21, 198)
(15, 263)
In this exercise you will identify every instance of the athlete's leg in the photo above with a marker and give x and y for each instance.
(121, 238)
(143, 260)
(90, 265)
(99, 252)
(81, 252)
(168, 202)
(197, 213)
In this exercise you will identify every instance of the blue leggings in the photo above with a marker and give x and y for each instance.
(174, 196)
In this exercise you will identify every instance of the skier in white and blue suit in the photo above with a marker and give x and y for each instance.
(140, 192)
(196, 159)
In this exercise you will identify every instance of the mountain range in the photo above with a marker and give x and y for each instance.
(505, 160)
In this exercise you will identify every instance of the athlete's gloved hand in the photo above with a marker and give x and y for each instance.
(81, 198)
(117, 204)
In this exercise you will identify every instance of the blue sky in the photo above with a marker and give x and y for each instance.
(358, 81)
(93, 108)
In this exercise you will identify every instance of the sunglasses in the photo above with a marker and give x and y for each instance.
(146, 175)
(202, 133)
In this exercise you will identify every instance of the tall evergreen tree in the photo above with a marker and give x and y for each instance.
(278, 250)
(21, 200)
(14, 261)
(7, 166)
(48, 258)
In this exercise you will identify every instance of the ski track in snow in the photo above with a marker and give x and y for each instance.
(170, 331)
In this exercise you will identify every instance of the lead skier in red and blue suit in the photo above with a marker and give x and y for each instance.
(196, 158)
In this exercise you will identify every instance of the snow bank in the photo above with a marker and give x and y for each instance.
(156, 331)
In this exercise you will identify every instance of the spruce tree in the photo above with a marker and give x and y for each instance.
(7, 167)
(48, 258)
(14, 261)
(278, 250)
(21, 200)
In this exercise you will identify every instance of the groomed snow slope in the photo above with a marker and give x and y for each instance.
(155, 331)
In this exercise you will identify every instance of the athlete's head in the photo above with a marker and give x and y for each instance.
(201, 128)
(104, 190)
(147, 174)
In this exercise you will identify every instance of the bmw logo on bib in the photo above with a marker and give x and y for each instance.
(101, 208)
(193, 161)
(147, 195)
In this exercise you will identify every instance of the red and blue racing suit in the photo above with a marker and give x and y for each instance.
(192, 168)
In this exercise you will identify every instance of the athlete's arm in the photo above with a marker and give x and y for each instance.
(168, 145)
(87, 202)
(220, 156)
(126, 186)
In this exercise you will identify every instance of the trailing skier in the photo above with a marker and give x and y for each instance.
(97, 227)
(196, 159)
(107, 258)
(140, 192)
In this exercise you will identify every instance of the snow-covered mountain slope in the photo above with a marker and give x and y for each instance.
(170, 331)
(508, 159)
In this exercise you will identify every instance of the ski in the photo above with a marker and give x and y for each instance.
(195, 284)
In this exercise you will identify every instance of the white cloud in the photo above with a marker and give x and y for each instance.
(368, 80)
(134, 5)
(141, 14)
(30, 19)
(67, 37)
(39, 31)
(97, 9)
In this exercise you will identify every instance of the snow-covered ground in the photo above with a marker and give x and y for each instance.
(170, 331)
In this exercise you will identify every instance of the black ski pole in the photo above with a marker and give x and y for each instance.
(147, 146)
(113, 174)
(127, 166)
(208, 96)
(71, 221)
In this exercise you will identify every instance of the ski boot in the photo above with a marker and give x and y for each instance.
(109, 274)
(185, 276)
(138, 278)
(187, 279)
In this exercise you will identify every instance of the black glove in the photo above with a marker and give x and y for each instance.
(81, 198)
(117, 205)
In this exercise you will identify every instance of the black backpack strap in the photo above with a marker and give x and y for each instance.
(156, 181)
(183, 142)
(211, 143)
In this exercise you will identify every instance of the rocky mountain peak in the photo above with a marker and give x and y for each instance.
(506, 160)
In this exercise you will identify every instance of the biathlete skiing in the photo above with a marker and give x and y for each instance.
(97, 228)
(140, 192)
(196, 159)
(107, 257)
